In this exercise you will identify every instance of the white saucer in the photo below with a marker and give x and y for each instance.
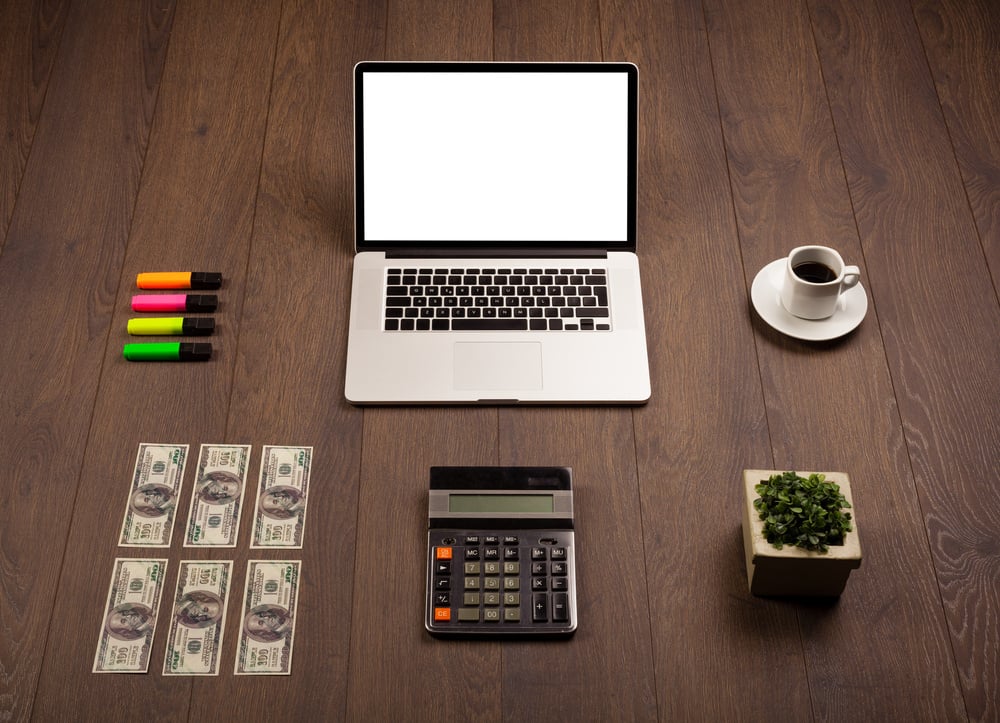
(766, 296)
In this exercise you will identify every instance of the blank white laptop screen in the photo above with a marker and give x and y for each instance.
(505, 156)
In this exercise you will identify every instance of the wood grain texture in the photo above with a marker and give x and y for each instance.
(98, 106)
(206, 144)
(962, 43)
(547, 30)
(29, 39)
(789, 189)
(936, 305)
(705, 421)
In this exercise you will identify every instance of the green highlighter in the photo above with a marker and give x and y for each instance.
(168, 351)
(172, 326)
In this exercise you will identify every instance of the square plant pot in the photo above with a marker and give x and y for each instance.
(793, 570)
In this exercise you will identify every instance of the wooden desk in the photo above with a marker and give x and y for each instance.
(217, 136)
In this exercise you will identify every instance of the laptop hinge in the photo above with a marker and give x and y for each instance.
(435, 253)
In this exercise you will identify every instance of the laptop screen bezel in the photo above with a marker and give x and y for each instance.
(422, 247)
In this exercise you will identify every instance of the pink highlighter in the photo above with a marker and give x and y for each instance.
(175, 302)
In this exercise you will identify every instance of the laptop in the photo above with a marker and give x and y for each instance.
(495, 235)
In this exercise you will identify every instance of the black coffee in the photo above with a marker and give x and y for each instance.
(814, 272)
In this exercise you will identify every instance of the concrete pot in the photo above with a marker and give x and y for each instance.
(792, 570)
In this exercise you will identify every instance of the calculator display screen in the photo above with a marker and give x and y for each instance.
(500, 503)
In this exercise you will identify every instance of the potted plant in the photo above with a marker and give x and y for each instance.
(799, 532)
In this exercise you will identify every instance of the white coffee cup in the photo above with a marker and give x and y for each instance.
(815, 277)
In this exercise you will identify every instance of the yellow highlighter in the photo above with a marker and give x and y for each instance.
(172, 326)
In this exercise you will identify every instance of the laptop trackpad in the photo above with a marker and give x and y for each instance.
(498, 366)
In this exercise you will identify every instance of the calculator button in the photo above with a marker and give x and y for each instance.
(442, 583)
(442, 553)
(491, 599)
(468, 615)
(539, 583)
(491, 615)
(442, 615)
(470, 599)
(472, 540)
(560, 607)
(538, 553)
(510, 540)
(491, 568)
(512, 599)
(471, 553)
(442, 598)
(539, 568)
(512, 583)
(442, 567)
(512, 568)
(560, 584)
(510, 553)
(472, 583)
(558, 553)
(512, 615)
(491, 553)
(491, 583)
(539, 607)
(491, 540)
(472, 568)
(559, 568)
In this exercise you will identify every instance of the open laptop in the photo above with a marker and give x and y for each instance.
(495, 235)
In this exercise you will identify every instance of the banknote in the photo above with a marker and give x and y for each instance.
(214, 515)
(152, 499)
(194, 639)
(268, 618)
(282, 492)
(129, 622)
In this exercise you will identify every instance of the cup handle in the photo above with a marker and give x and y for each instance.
(852, 275)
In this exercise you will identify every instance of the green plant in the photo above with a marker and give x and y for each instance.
(804, 512)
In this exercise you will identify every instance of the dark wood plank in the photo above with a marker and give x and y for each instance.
(962, 42)
(547, 30)
(289, 376)
(559, 681)
(937, 309)
(789, 189)
(194, 210)
(58, 278)
(396, 669)
(718, 653)
(29, 38)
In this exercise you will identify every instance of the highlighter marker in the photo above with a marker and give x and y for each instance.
(179, 280)
(174, 302)
(172, 326)
(171, 351)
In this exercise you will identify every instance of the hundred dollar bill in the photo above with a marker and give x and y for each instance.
(272, 591)
(214, 516)
(282, 493)
(152, 500)
(194, 639)
(129, 623)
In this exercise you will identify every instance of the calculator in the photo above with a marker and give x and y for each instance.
(501, 558)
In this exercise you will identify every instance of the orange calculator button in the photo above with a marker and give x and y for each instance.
(443, 553)
(442, 615)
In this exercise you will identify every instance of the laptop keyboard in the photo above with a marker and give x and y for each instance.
(488, 299)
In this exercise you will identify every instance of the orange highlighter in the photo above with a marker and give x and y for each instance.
(179, 280)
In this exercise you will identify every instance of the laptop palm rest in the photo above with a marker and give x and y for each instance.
(498, 366)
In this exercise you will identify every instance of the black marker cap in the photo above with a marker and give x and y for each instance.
(201, 302)
(206, 280)
(197, 351)
(198, 326)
